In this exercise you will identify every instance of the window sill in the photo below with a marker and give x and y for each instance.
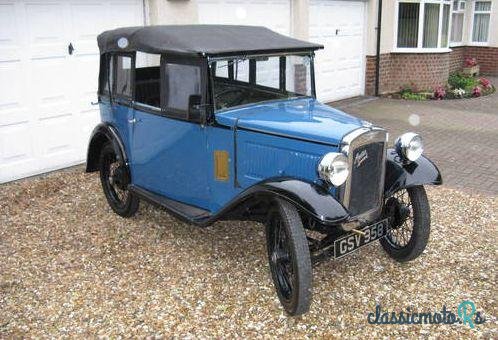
(456, 44)
(482, 44)
(421, 50)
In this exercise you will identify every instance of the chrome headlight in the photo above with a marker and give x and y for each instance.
(409, 146)
(334, 168)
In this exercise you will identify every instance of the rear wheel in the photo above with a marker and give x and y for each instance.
(115, 178)
(289, 257)
(409, 216)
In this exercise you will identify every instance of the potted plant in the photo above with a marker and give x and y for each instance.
(470, 67)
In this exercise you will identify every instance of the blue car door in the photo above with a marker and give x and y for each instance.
(169, 149)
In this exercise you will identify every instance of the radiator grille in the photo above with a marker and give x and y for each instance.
(366, 178)
(362, 194)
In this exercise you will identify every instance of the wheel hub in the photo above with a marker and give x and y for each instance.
(396, 211)
(120, 177)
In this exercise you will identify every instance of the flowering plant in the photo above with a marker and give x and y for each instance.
(459, 93)
(485, 82)
(476, 92)
(439, 92)
(470, 62)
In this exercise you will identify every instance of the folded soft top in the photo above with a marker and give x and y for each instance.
(207, 40)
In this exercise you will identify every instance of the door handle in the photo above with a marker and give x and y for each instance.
(70, 48)
(132, 120)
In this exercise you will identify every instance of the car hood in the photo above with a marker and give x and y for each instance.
(305, 119)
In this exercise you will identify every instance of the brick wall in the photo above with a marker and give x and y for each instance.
(425, 71)
(422, 71)
(457, 57)
(487, 58)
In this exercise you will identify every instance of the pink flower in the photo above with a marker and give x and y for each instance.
(485, 82)
(439, 93)
(470, 62)
(476, 92)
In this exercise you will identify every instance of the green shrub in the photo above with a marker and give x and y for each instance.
(413, 96)
(459, 81)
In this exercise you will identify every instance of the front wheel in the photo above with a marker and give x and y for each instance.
(410, 219)
(289, 257)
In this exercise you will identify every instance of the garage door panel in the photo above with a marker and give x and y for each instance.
(9, 35)
(12, 87)
(339, 26)
(45, 112)
(49, 87)
(46, 30)
(15, 144)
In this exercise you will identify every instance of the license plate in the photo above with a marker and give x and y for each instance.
(351, 242)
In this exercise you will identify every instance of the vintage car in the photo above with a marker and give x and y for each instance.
(218, 122)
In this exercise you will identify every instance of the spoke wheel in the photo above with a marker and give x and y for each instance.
(115, 179)
(289, 257)
(409, 218)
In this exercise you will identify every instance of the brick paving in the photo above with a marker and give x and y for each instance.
(461, 136)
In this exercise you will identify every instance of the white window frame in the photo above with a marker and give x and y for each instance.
(474, 12)
(420, 48)
(459, 10)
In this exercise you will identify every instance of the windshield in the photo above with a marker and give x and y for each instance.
(250, 80)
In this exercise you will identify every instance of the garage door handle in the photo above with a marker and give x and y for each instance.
(70, 49)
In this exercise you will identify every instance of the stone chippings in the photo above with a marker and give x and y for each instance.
(71, 267)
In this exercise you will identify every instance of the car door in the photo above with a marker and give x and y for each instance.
(169, 149)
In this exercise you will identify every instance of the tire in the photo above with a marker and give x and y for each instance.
(420, 220)
(122, 201)
(289, 257)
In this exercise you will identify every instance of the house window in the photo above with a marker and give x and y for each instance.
(480, 26)
(457, 21)
(423, 24)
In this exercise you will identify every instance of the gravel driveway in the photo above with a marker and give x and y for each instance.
(69, 266)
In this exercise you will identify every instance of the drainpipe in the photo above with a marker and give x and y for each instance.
(377, 61)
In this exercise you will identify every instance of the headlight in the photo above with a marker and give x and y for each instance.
(409, 146)
(334, 168)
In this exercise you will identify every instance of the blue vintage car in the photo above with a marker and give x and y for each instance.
(222, 123)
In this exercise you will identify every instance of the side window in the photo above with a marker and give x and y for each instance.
(181, 82)
(147, 79)
(105, 74)
(123, 76)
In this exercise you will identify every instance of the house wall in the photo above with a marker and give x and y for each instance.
(422, 70)
(163, 12)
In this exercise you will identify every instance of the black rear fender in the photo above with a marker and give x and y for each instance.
(101, 135)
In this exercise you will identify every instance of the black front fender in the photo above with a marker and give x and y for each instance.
(308, 197)
(401, 175)
(102, 134)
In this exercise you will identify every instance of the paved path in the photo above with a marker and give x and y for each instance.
(461, 136)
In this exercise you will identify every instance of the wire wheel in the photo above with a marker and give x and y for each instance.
(289, 257)
(280, 257)
(401, 229)
(114, 177)
(409, 218)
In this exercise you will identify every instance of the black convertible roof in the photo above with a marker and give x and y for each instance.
(208, 40)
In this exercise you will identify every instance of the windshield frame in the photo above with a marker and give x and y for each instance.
(212, 60)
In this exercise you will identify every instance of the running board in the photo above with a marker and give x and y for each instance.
(184, 211)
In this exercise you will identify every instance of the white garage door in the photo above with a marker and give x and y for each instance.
(45, 93)
(340, 67)
(274, 14)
